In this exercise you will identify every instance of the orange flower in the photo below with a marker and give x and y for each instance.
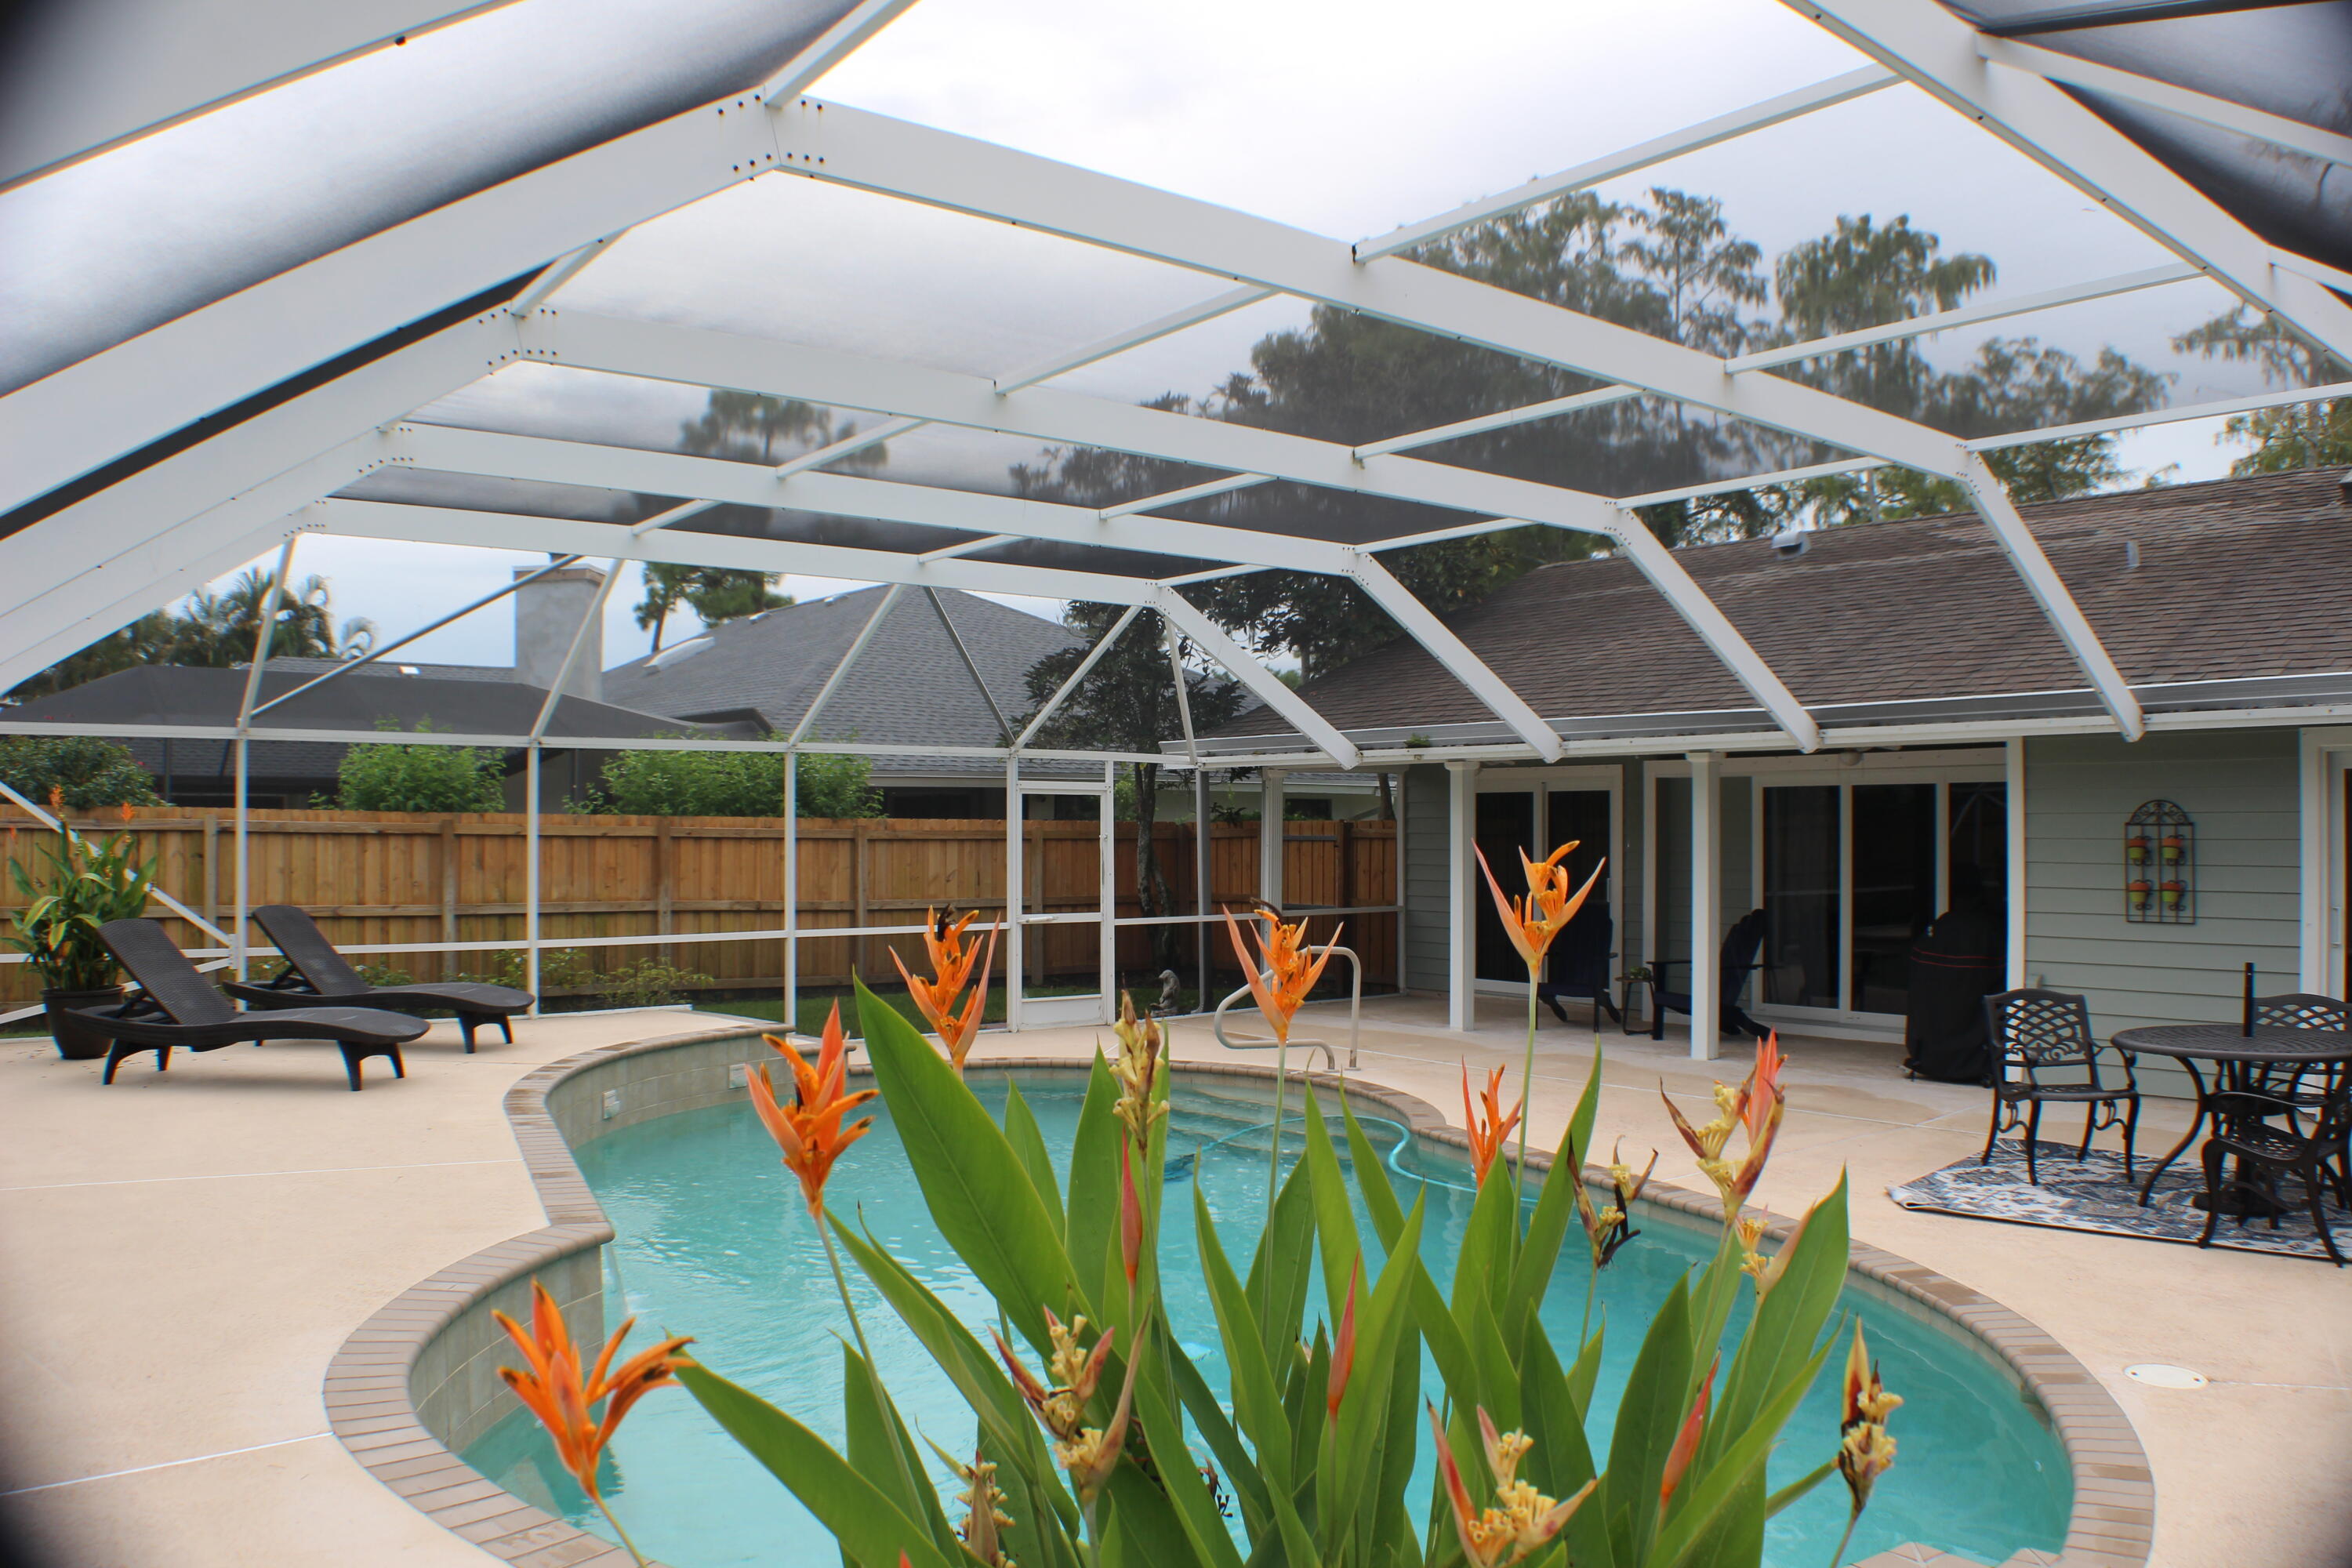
(1533, 922)
(1343, 1346)
(809, 1129)
(951, 967)
(1289, 974)
(1686, 1448)
(552, 1388)
(1756, 1105)
(1489, 1125)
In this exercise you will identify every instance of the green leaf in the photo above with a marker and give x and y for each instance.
(1187, 1494)
(879, 1445)
(1093, 1221)
(973, 1181)
(1383, 1341)
(1279, 1273)
(1648, 1417)
(1789, 1321)
(1484, 1266)
(1335, 1215)
(1562, 1460)
(1795, 1490)
(871, 1530)
(1711, 1493)
(1021, 1130)
(1257, 1399)
(1216, 1428)
(1587, 1370)
(1430, 1314)
(1555, 1209)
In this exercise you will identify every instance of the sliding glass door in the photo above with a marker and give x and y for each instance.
(1852, 875)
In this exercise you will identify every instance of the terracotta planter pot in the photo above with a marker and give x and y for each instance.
(77, 1041)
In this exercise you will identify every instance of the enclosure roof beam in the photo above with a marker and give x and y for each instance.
(962, 174)
(1722, 127)
(825, 375)
(1438, 640)
(1086, 667)
(2295, 135)
(881, 613)
(1947, 58)
(590, 622)
(512, 531)
(717, 480)
(1243, 665)
(831, 46)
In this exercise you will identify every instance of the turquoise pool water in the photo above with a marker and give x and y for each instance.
(713, 1242)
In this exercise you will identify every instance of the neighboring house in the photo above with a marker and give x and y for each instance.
(1958, 732)
(942, 667)
(458, 698)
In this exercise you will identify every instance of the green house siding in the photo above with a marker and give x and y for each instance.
(1427, 913)
(2240, 789)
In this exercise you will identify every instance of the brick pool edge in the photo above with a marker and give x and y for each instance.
(417, 1381)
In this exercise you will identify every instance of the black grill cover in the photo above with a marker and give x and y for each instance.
(1954, 967)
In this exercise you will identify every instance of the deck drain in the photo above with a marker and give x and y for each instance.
(2157, 1374)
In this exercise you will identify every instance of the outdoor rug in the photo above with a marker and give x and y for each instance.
(2095, 1195)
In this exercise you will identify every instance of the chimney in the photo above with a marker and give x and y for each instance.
(547, 614)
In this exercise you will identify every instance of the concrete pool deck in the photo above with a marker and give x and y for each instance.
(184, 1253)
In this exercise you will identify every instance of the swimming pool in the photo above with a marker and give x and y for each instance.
(712, 1242)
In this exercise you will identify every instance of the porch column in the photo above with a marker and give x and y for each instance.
(1461, 912)
(2013, 795)
(1204, 875)
(1269, 836)
(1707, 838)
(1012, 894)
(791, 1008)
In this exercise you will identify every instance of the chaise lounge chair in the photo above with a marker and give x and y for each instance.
(177, 1006)
(316, 973)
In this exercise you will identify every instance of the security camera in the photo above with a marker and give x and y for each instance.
(1792, 542)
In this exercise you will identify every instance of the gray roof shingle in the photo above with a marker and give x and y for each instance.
(2236, 578)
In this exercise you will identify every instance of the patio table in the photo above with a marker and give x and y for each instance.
(2232, 1049)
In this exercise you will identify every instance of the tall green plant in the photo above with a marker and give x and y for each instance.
(1316, 1434)
(80, 886)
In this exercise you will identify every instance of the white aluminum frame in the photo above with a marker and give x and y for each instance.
(139, 542)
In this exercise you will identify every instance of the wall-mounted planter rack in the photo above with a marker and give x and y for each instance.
(2160, 865)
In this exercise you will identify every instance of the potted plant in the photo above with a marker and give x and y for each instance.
(82, 887)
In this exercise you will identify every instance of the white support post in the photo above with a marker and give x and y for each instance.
(1014, 871)
(841, 671)
(1269, 835)
(2013, 775)
(1107, 898)
(265, 614)
(530, 873)
(791, 1008)
(1707, 885)
(1463, 885)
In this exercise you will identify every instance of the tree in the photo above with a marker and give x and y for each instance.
(729, 784)
(217, 630)
(2300, 435)
(391, 777)
(714, 593)
(1128, 703)
(88, 773)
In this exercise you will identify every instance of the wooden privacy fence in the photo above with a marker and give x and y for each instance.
(402, 878)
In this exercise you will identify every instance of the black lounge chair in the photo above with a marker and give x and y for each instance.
(1733, 965)
(1580, 962)
(176, 1006)
(316, 973)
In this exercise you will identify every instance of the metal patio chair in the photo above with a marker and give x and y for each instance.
(2045, 1054)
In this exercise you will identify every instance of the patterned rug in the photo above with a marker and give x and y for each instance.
(2095, 1195)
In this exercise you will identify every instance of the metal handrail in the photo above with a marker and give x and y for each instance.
(1267, 1043)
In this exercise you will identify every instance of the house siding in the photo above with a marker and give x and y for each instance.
(2240, 787)
(1425, 878)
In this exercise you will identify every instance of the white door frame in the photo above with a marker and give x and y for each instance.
(1023, 1012)
(2325, 755)
(1541, 782)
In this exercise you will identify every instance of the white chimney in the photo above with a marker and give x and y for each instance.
(547, 614)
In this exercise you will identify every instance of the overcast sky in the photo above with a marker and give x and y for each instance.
(1346, 117)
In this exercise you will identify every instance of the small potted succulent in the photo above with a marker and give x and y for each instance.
(82, 886)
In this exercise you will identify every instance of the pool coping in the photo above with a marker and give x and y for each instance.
(371, 1403)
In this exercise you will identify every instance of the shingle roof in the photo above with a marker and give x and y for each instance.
(908, 687)
(179, 694)
(2235, 579)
